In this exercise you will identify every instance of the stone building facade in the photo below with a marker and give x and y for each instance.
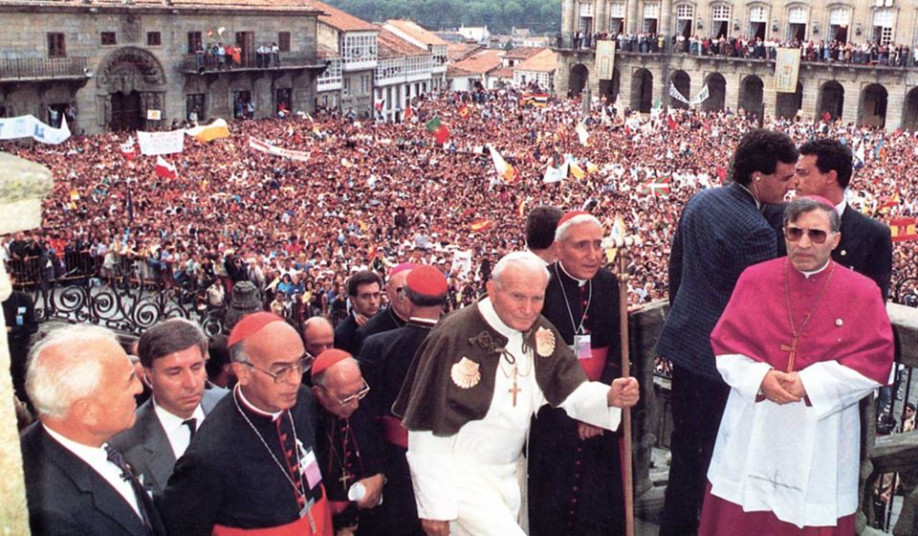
(140, 64)
(864, 69)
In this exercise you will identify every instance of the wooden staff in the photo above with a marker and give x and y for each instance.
(627, 473)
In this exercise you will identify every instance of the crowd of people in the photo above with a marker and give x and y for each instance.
(831, 50)
(328, 215)
(376, 194)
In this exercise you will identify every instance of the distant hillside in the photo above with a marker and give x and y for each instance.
(540, 16)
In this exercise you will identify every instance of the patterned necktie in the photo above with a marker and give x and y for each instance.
(192, 425)
(115, 457)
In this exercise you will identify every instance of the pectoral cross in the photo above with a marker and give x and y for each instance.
(515, 389)
(344, 478)
(793, 353)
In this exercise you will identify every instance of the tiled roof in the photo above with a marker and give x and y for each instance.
(545, 61)
(506, 72)
(393, 46)
(341, 20)
(460, 51)
(415, 31)
(522, 53)
(299, 6)
(481, 62)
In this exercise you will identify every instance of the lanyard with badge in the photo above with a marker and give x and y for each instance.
(582, 346)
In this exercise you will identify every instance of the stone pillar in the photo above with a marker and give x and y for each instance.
(632, 17)
(567, 22)
(665, 28)
(26, 184)
(852, 106)
(601, 16)
(895, 105)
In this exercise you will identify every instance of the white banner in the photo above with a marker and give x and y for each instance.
(787, 69)
(157, 143)
(266, 147)
(702, 96)
(28, 126)
(676, 94)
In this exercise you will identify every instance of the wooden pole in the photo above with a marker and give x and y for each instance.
(627, 472)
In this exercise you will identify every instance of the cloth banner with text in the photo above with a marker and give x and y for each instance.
(28, 126)
(266, 147)
(159, 143)
(787, 68)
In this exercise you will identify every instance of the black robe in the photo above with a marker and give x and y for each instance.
(226, 477)
(385, 360)
(364, 459)
(575, 486)
(385, 320)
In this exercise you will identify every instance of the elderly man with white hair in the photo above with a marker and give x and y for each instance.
(82, 385)
(470, 393)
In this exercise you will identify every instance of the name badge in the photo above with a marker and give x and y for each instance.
(309, 465)
(583, 348)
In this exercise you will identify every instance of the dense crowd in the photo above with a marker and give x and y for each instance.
(863, 52)
(376, 194)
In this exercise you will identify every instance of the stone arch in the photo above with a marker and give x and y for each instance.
(129, 75)
(751, 95)
(717, 93)
(579, 78)
(642, 91)
(683, 83)
(910, 117)
(831, 100)
(610, 89)
(787, 105)
(872, 107)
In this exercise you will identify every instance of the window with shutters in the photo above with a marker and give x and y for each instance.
(283, 41)
(154, 39)
(758, 14)
(108, 38)
(797, 15)
(685, 11)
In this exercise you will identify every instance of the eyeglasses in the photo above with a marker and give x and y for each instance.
(359, 395)
(298, 368)
(794, 234)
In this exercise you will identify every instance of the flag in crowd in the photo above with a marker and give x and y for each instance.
(504, 170)
(165, 169)
(582, 134)
(129, 149)
(903, 229)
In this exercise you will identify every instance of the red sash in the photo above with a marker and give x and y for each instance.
(594, 367)
(394, 432)
(321, 516)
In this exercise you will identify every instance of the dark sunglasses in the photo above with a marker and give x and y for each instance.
(794, 234)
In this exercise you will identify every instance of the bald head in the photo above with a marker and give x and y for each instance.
(318, 335)
(341, 381)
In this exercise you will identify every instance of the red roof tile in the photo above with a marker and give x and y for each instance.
(393, 46)
(341, 20)
(481, 62)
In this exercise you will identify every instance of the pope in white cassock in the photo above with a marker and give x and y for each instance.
(801, 341)
(474, 385)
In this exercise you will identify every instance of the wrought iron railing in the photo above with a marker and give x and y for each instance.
(125, 296)
(42, 68)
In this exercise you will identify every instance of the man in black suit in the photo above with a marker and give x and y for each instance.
(721, 233)
(364, 290)
(82, 385)
(394, 315)
(172, 354)
(825, 169)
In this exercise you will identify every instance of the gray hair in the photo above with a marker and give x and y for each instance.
(238, 354)
(63, 368)
(524, 259)
(803, 205)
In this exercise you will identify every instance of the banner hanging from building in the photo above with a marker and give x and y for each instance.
(676, 94)
(787, 68)
(28, 126)
(702, 96)
(158, 143)
(605, 58)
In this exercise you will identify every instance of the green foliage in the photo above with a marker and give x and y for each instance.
(540, 16)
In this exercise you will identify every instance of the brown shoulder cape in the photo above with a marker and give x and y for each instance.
(431, 401)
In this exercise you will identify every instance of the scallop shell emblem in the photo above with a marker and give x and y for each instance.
(465, 373)
(545, 342)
